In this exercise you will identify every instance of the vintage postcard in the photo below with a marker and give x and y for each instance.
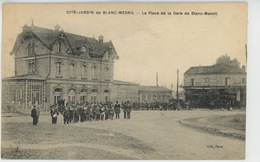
(124, 81)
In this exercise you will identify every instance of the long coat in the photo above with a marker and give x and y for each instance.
(34, 116)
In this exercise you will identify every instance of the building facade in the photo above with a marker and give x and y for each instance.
(71, 67)
(51, 65)
(215, 86)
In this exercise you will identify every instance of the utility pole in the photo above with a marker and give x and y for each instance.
(177, 92)
(157, 79)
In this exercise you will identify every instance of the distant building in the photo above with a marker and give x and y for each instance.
(154, 93)
(52, 64)
(215, 86)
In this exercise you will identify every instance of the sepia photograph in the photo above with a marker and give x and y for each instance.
(124, 81)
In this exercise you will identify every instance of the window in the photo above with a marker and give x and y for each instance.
(57, 95)
(82, 98)
(59, 46)
(107, 91)
(93, 99)
(94, 73)
(58, 69)
(84, 71)
(72, 70)
(71, 95)
(227, 81)
(192, 82)
(94, 91)
(83, 95)
(107, 77)
(31, 66)
(31, 48)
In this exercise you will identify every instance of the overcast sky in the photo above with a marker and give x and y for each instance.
(146, 44)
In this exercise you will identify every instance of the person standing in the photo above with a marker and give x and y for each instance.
(66, 116)
(34, 115)
(54, 115)
(38, 110)
(124, 106)
(117, 110)
(128, 109)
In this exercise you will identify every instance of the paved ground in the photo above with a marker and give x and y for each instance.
(147, 135)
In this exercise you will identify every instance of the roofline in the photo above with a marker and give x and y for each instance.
(215, 73)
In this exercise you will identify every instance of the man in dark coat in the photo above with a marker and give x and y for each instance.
(117, 109)
(66, 116)
(34, 115)
(54, 114)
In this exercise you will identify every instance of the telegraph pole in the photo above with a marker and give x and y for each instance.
(177, 92)
(157, 79)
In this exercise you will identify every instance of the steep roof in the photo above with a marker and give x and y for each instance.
(48, 37)
(214, 69)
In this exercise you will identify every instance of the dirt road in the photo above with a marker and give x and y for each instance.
(147, 135)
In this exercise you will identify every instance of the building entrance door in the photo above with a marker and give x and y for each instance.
(35, 97)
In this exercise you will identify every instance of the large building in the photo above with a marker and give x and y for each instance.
(52, 64)
(216, 85)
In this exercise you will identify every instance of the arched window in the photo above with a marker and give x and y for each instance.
(58, 90)
(83, 95)
(71, 95)
(94, 90)
(106, 91)
(57, 95)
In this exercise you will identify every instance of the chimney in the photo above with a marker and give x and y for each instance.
(101, 38)
(57, 27)
(26, 27)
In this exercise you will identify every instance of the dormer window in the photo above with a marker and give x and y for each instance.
(31, 48)
(59, 46)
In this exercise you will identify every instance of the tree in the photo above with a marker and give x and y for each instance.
(225, 60)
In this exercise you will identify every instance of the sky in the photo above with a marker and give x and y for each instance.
(145, 44)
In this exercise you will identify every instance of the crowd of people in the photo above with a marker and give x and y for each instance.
(81, 112)
(74, 113)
